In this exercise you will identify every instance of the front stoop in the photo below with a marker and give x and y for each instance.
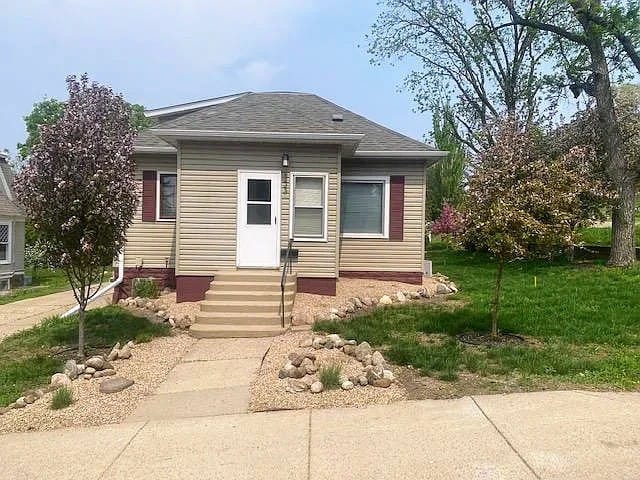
(244, 303)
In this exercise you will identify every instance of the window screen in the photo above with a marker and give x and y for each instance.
(168, 194)
(362, 207)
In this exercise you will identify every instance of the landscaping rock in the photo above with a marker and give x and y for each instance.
(131, 344)
(317, 387)
(329, 344)
(309, 366)
(96, 362)
(90, 370)
(442, 289)
(70, 369)
(377, 359)
(357, 302)
(362, 380)
(297, 360)
(401, 297)
(414, 295)
(333, 317)
(350, 342)
(349, 350)
(87, 376)
(60, 380)
(125, 352)
(20, 403)
(318, 342)
(29, 399)
(374, 373)
(336, 339)
(80, 367)
(362, 350)
(311, 356)
(347, 385)
(388, 374)
(367, 301)
(302, 318)
(4, 410)
(381, 382)
(296, 386)
(452, 286)
(366, 361)
(104, 373)
(385, 300)
(113, 354)
(350, 308)
(115, 384)
(306, 343)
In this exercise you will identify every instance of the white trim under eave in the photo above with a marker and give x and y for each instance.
(400, 154)
(256, 136)
(166, 149)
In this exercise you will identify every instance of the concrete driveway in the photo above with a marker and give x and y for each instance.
(24, 314)
(550, 435)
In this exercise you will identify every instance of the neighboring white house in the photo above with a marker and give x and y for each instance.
(11, 231)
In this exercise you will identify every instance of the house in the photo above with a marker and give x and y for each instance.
(230, 183)
(11, 231)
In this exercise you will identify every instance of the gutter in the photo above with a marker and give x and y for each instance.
(104, 289)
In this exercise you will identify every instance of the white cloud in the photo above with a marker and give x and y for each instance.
(258, 73)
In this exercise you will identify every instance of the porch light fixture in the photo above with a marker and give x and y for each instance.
(285, 160)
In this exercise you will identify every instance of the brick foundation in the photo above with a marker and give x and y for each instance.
(164, 277)
(404, 277)
(191, 288)
(319, 286)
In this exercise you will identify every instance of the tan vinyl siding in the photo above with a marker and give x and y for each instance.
(17, 247)
(208, 203)
(377, 254)
(151, 244)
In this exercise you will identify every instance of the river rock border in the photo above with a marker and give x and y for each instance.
(355, 304)
(160, 309)
(300, 370)
(97, 366)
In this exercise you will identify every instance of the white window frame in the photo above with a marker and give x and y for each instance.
(386, 182)
(325, 180)
(158, 217)
(9, 244)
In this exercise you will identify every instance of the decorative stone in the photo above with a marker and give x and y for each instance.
(80, 368)
(296, 386)
(388, 374)
(334, 317)
(374, 301)
(366, 361)
(115, 384)
(71, 369)
(385, 300)
(60, 380)
(347, 385)
(401, 297)
(442, 289)
(125, 352)
(87, 376)
(309, 366)
(306, 343)
(113, 354)
(367, 301)
(357, 302)
(334, 311)
(104, 373)
(20, 403)
(29, 399)
(90, 370)
(381, 382)
(297, 360)
(349, 350)
(329, 344)
(350, 342)
(140, 302)
(302, 318)
(414, 295)
(311, 356)
(317, 387)
(336, 339)
(362, 380)
(374, 373)
(130, 344)
(95, 362)
(453, 287)
(350, 308)
(377, 359)
(362, 351)
(318, 342)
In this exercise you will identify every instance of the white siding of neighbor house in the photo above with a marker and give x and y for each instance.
(151, 244)
(17, 247)
(377, 254)
(207, 199)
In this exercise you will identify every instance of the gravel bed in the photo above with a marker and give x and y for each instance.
(148, 367)
(268, 391)
(347, 288)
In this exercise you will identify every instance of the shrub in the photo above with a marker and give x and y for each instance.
(330, 376)
(145, 288)
(62, 398)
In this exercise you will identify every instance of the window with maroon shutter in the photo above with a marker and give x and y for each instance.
(149, 180)
(396, 209)
(364, 207)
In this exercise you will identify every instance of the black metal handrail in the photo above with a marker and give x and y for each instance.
(283, 280)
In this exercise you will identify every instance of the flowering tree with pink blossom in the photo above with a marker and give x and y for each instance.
(78, 188)
(450, 221)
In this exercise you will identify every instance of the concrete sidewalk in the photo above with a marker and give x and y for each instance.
(551, 435)
(23, 314)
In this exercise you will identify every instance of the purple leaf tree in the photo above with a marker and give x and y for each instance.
(78, 188)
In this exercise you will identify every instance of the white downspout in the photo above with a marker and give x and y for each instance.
(104, 289)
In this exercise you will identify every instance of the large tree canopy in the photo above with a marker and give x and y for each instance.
(78, 187)
(487, 72)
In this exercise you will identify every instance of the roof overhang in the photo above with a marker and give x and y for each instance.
(430, 156)
(143, 149)
(348, 141)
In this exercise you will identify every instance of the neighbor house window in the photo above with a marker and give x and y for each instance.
(167, 196)
(364, 207)
(309, 206)
(5, 242)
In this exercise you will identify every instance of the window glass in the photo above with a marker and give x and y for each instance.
(259, 190)
(4, 242)
(362, 207)
(168, 193)
(308, 207)
(259, 214)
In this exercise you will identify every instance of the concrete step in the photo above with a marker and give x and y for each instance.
(233, 286)
(201, 330)
(269, 276)
(226, 306)
(257, 318)
(250, 297)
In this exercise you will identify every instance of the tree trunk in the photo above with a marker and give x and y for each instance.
(623, 244)
(81, 332)
(495, 305)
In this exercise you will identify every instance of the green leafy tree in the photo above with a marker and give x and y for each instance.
(446, 177)
(595, 38)
(521, 203)
(45, 112)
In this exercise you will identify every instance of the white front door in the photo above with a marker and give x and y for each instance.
(258, 219)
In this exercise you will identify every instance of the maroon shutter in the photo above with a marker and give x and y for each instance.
(149, 195)
(396, 207)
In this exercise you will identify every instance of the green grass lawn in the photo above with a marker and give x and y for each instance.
(29, 358)
(581, 321)
(44, 282)
(601, 235)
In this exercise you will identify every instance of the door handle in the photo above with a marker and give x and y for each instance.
(275, 220)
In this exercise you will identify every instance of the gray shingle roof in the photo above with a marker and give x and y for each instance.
(9, 208)
(287, 112)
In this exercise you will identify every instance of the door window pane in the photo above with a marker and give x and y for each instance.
(168, 193)
(259, 190)
(259, 214)
(362, 208)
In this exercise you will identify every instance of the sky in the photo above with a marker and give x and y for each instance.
(159, 53)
